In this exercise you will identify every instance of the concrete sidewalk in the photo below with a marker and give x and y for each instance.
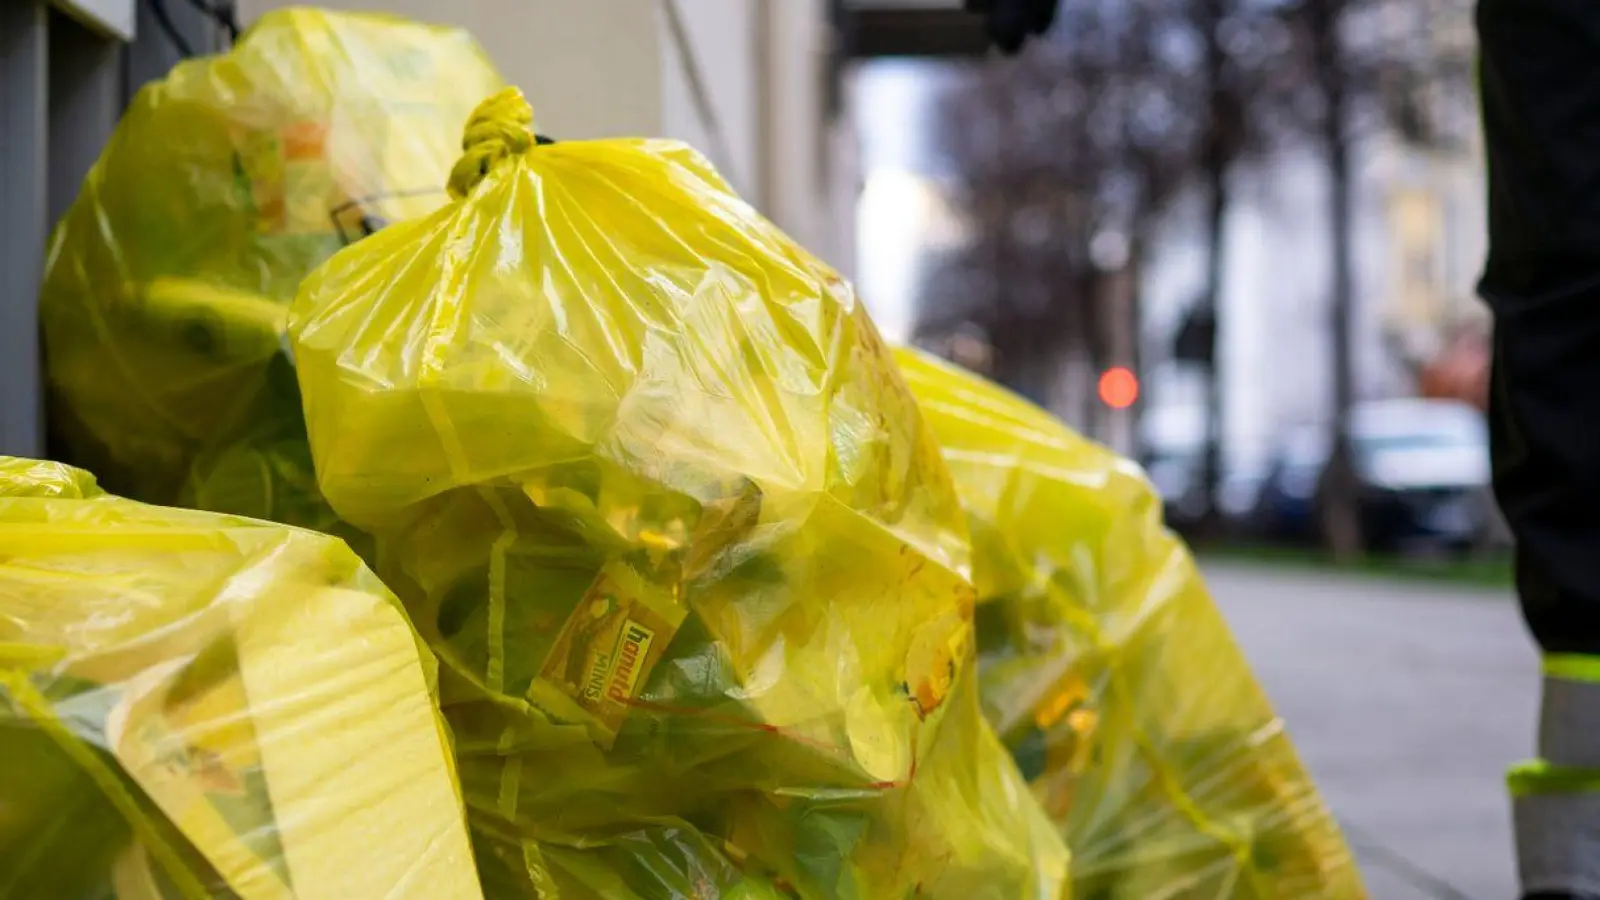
(1408, 702)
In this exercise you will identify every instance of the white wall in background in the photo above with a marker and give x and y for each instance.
(722, 38)
(799, 192)
(903, 220)
(763, 64)
(1276, 316)
(591, 67)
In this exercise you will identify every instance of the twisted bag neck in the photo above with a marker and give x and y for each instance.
(501, 126)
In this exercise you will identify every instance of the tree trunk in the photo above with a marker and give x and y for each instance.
(1028, 355)
(1215, 164)
(1217, 201)
(1340, 510)
(1097, 352)
(1133, 284)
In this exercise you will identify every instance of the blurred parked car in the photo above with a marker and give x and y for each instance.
(1286, 505)
(1178, 474)
(1422, 467)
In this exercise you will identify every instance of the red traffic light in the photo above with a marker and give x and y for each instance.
(1119, 387)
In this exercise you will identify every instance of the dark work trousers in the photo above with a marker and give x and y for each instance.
(1541, 103)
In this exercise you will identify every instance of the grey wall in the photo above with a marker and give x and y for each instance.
(24, 66)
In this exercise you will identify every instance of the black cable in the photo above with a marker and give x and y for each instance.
(224, 12)
(1408, 871)
(158, 8)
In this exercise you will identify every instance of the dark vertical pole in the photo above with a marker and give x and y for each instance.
(1216, 175)
(1215, 160)
(1340, 514)
(1125, 349)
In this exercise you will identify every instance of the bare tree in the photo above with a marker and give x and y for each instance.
(1095, 132)
(1086, 137)
(1396, 66)
(1097, 129)
(1248, 85)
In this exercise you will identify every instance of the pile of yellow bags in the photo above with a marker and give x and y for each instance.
(699, 590)
(195, 705)
(168, 281)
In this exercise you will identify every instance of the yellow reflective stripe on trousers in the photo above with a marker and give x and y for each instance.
(1537, 776)
(1573, 667)
(1556, 799)
(1569, 714)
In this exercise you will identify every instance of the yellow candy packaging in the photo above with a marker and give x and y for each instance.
(168, 281)
(196, 706)
(650, 485)
(1111, 675)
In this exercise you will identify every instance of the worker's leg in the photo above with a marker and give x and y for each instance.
(1541, 97)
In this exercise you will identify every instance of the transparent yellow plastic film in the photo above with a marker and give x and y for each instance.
(169, 278)
(196, 705)
(649, 483)
(1111, 675)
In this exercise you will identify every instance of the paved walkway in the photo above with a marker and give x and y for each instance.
(1407, 701)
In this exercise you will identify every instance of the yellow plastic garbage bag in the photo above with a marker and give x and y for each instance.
(168, 281)
(649, 483)
(197, 706)
(1112, 676)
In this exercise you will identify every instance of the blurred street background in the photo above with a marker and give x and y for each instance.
(1246, 259)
